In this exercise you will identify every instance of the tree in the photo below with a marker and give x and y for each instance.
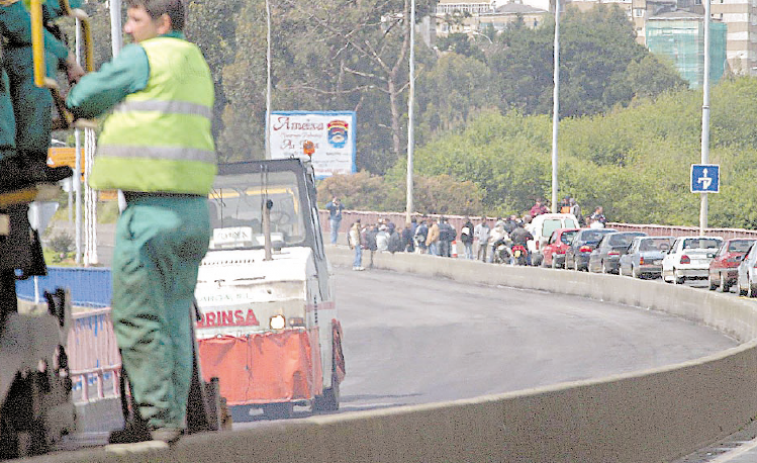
(601, 65)
(652, 76)
(455, 88)
(461, 43)
(209, 27)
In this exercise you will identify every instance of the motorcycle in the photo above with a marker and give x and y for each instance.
(520, 255)
(501, 253)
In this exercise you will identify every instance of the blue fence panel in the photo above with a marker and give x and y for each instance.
(90, 287)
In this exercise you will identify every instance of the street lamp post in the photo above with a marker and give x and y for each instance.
(705, 113)
(268, 83)
(410, 134)
(556, 106)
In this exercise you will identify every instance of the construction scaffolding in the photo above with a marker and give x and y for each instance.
(681, 40)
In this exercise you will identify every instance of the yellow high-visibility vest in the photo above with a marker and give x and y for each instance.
(159, 139)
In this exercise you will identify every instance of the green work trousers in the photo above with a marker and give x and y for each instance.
(160, 242)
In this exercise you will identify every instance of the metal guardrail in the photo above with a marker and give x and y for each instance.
(93, 354)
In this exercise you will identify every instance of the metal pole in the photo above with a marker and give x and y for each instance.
(556, 106)
(268, 85)
(116, 44)
(410, 129)
(115, 27)
(76, 179)
(705, 113)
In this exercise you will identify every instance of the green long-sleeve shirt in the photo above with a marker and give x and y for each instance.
(100, 91)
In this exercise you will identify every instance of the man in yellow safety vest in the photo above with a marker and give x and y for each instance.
(157, 147)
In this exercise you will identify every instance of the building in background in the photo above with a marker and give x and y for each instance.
(679, 36)
(504, 16)
(737, 17)
(454, 16)
(741, 18)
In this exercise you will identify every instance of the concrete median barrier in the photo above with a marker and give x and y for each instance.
(647, 416)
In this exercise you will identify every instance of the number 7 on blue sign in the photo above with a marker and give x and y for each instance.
(705, 178)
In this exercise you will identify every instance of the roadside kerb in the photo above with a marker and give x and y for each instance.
(652, 415)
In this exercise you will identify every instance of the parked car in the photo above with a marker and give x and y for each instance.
(605, 258)
(724, 268)
(746, 279)
(644, 256)
(577, 255)
(553, 252)
(689, 258)
(541, 227)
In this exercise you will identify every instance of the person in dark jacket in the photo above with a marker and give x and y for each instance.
(371, 244)
(447, 234)
(395, 241)
(521, 236)
(407, 238)
(335, 208)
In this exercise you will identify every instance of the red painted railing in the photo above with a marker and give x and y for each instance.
(348, 217)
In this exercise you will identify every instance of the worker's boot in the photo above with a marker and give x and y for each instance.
(37, 161)
(56, 174)
(16, 174)
(136, 430)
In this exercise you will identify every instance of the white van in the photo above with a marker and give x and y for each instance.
(542, 227)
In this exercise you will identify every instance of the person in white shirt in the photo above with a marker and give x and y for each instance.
(481, 236)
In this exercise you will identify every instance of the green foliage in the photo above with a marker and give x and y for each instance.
(61, 243)
(441, 194)
(635, 161)
(449, 93)
(460, 44)
(601, 65)
(360, 191)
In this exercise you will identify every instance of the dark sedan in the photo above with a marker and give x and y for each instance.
(605, 258)
(577, 255)
(644, 256)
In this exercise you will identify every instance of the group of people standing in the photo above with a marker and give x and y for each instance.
(484, 237)
(425, 236)
(437, 237)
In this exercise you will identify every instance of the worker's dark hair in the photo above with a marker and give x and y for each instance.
(157, 8)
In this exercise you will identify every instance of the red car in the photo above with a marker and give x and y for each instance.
(724, 267)
(554, 250)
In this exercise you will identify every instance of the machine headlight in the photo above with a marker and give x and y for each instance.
(278, 322)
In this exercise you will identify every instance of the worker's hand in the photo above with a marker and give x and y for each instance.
(73, 69)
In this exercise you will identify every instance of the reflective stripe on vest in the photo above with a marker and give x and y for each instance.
(159, 139)
(169, 107)
(169, 153)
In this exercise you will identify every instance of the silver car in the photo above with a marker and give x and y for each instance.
(644, 256)
(747, 274)
(689, 258)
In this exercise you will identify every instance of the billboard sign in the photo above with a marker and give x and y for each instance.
(327, 136)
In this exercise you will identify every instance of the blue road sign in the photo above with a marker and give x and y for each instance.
(705, 178)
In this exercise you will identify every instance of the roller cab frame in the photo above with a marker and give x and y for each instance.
(269, 327)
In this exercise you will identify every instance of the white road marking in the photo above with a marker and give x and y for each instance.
(735, 453)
